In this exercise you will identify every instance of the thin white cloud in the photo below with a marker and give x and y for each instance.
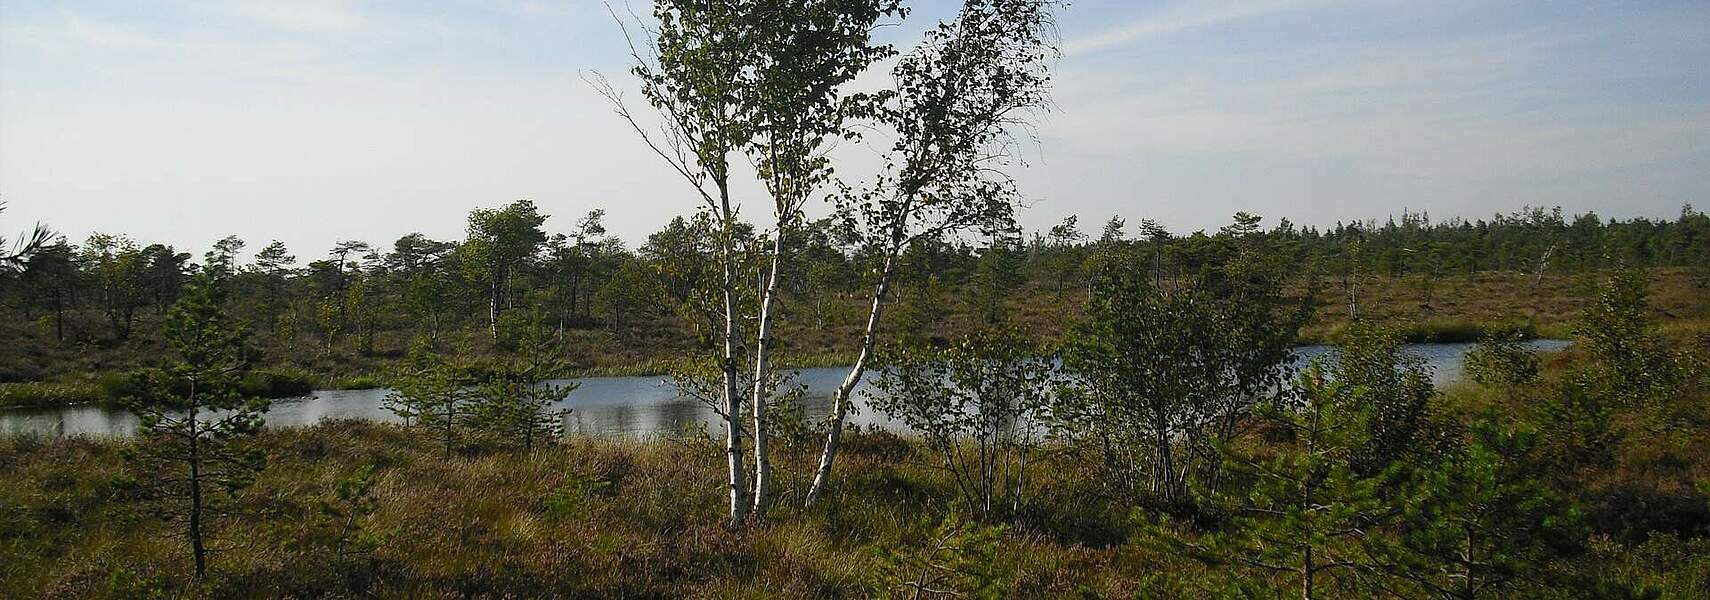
(1467, 108)
(1184, 16)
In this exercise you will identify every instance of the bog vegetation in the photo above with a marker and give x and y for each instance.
(1117, 414)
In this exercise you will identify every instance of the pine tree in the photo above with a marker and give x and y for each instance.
(195, 416)
(1307, 516)
(517, 402)
(432, 393)
(1481, 522)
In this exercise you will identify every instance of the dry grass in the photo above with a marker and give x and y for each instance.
(584, 518)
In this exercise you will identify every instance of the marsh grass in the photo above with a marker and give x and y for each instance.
(584, 518)
(48, 394)
(590, 518)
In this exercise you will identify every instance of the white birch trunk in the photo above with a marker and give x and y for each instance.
(732, 395)
(762, 369)
(840, 401)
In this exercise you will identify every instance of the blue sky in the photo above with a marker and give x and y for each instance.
(316, 121)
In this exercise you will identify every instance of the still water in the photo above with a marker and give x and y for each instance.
(601, 406)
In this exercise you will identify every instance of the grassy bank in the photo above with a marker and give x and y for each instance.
(579, 519)
(111, 389)
(50, 395)
(1444, 331)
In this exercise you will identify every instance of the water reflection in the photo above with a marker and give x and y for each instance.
(601, 406)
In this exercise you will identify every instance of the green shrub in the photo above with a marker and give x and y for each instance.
(126, 384)
(275, 384)
(135, 384)
(1443, 331)
(1439, 331)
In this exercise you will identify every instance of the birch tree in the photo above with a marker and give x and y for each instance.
(958, 103)
(693, 68)
(499, 241)
(807, 52)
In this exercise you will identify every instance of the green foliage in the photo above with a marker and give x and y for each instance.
(1502, 359)
(1617, 332)
(499, 241)
(516, 401)
(996, 276)
(275, 384)
(1482, 521)
(1146, 364)
(1306, 512)
(432, 393)
(514, 327)
(17, 255)
(629, 294)
(957, 560)
(1375, 373)
(1624, 428)
(141, 384)
(1159, 360)
(574, 495)
(343, 522)
(118, 265)
(194, 416)
(43, 394)
(978, 404)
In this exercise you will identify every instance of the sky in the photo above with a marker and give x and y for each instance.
(315, 121)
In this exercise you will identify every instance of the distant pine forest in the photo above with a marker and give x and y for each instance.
(345, 314)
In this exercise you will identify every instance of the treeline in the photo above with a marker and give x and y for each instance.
(509, 267)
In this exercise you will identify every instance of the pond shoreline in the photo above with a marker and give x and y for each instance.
(601, 406)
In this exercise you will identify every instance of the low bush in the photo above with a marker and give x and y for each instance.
(136, 384)
(275, 384)
(121, 385)
(1438, 331)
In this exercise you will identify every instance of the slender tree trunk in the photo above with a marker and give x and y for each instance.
(1543, 265)
(732, 395)
(840, 401)
(196, 548)
(762, 370)
(1307, 572)
(1469, 587)
(493, 308)
(1164, 465)
(433, 328)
